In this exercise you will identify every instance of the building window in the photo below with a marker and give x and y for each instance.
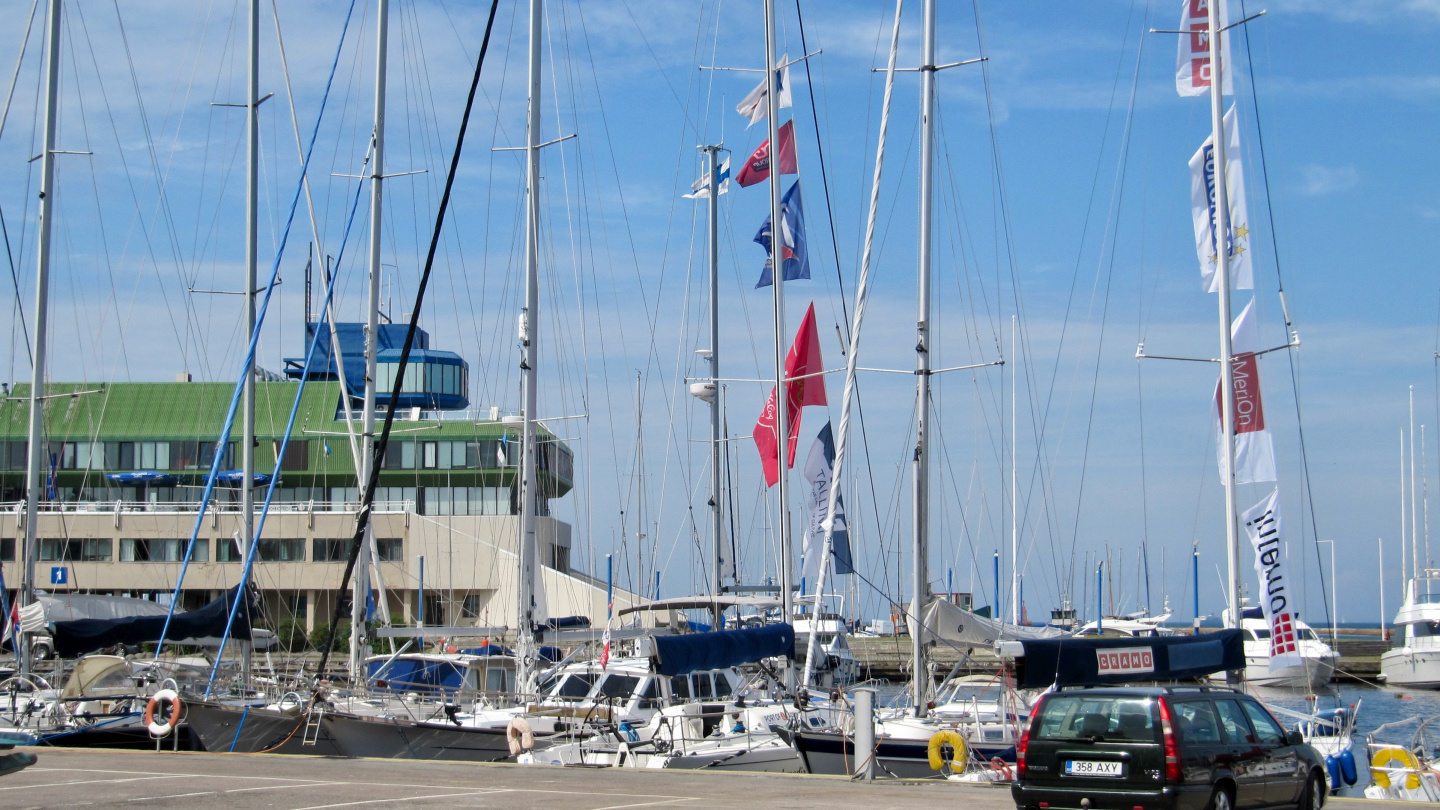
(400, 456)
(560, 558)
(153, 549)
(7, 549)
(470, 607)
(390, 549)
(281, 549)
(227, 549)
(430, 455)
(327, 549)
(297, 456)
(13, 455)
(434, 609)
(67, 550)
(297, 605)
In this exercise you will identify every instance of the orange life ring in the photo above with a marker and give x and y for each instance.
(166, 724)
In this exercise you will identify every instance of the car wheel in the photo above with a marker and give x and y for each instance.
(1314, 796)
(1221, 800)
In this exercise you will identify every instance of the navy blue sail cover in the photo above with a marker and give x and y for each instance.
(1109, 661)
(74, 638)
(680, 655)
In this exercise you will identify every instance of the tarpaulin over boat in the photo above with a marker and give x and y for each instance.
(954, 625)
(81, 636)
(680, 655)
(1101, 661)
(65, 607)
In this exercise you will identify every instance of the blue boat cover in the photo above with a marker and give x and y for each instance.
(565, 623)
(417, 675)
(680, 655)
(80, 636)
(153, 478)
(1114, 661)
(234, 477)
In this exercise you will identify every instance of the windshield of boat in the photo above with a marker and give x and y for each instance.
(619, 687)
(1098, 717)
(575, 686)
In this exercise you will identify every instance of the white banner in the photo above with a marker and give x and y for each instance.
(1263, 526)
(1202, 211)
(818, 469)
(1192, 60)
(1254, 446)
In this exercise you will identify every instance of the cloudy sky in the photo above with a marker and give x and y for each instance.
(1061, 197)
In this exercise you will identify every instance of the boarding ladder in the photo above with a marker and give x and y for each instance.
(312, 724)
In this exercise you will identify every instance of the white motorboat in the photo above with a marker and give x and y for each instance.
(1415, 659)
(1318, 659)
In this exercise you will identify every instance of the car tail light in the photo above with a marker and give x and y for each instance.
(1024, 742)
(1172, 748)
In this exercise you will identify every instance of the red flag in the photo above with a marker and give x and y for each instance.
(804, 359)
(757, 166)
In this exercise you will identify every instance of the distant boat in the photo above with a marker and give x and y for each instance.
(1415, 660)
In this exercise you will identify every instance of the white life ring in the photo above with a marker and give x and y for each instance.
(519, 735)
(165, 724)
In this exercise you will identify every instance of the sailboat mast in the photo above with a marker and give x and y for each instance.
(782, 397)
(1414, 513)
(716, 512)
(529, 332)
(1014, 481)
(920, 463)
(1227, 350)
(35, 447)
(252, 252)
(361, 583)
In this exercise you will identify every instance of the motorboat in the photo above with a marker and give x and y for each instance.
(1318, 659)
(1414, 660)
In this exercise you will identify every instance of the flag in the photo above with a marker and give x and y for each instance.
(803, 359)
(326, 442)
(754, 105)
(757, 167)
(700, 189)
(12, 621)
(819, 468)
(1192, 61)
(1254, 447)
(792, 240)
(1263, 526)
(502, 450)
(1202, 210)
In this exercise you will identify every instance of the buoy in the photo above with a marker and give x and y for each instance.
(1347, 767)
(960, 753)
(165, 724)
(1332, 765)
(519, 735)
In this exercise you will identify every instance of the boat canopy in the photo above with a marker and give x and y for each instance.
(1114, 661)
(149, 478)
(681, 655)
(702, 602)
(80, 636)
(952, 624)
(234, 477)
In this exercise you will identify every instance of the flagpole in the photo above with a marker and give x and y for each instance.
(920, 482)
(1221, 243)
(862, 294)
(716, 512)
(777, 273)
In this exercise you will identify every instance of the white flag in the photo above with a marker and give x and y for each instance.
(819, 468)
(1263, 526)
(1192, 61)
(1254, 447)
(755, 107)
(1202, 210)
(700, 189)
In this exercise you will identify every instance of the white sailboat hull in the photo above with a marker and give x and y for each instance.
(1312, 672)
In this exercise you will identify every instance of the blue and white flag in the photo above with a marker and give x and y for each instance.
(756, 106)
(796, 260)
(1202, 210)
(700, 189)
(502, 450)
(819, 468)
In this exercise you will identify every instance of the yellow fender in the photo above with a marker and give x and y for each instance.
(957, 743)
(1392, 757)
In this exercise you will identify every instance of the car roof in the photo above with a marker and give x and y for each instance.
(1148, 691)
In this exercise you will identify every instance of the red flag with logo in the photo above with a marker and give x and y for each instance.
(757, 166)
(803, 360)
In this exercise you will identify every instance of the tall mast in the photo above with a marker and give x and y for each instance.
(782, 398)
(1414, 522)
(35, 447)
(920, 464)
(361, 581)
(1227, 351)
(252, 248)
(716, 512)
(529, 331)
(1014, 479)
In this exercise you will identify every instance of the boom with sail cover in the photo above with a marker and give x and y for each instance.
(80, 636)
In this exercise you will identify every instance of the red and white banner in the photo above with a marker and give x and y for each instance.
(1192, 62)
(757, 166)
(1254, 447)
(1263, 526)
(803, 360)
(1127, 661)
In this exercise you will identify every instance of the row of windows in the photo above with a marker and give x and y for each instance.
(431, 378)
(172, 549)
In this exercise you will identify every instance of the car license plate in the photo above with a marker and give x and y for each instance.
(1091, 767)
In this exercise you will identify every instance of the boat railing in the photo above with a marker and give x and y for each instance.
(190, 507)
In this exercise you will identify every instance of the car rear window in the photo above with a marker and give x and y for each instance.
(1103, 718)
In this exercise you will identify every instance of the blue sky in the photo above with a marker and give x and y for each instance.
(1095, 216)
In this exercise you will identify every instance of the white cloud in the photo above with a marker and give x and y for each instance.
(1316, 180)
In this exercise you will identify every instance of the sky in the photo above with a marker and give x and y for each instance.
(1062, 198)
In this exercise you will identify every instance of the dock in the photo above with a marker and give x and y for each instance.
(196, 781)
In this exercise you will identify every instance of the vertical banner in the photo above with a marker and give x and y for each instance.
(819, 468)
(1254, 446)
(1202, 211)
(1263, 527)
(1192, 61)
